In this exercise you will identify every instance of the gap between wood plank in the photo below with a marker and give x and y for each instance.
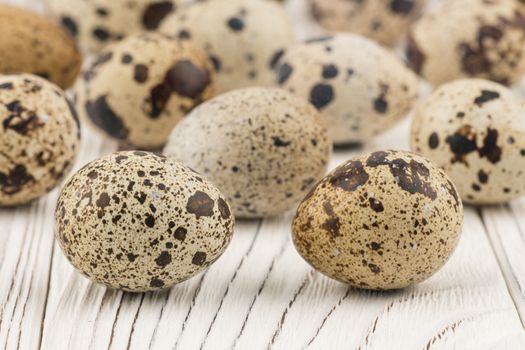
(270, 269)
(50, 265)
(258, 230)
(192, 305)
(153, 336)
(504, 265)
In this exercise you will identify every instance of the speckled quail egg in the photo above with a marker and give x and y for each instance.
(244, 38)
(137, 90)
(33, 44)
(360, 88)
(264, 148)
(39, 138)
(381, 20)
(385, 220)
(475, 130)
(470, 38)
(140, 222)
(96, 23)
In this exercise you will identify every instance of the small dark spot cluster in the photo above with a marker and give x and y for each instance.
(464, 142)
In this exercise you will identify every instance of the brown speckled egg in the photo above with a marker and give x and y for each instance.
(32, 44)
(96, 23)
(475, 130)
(361, 88)
(264, 148)
(39, 138)
(385, 220)
(243, 38)
(140, 222)
(470, 39)
(137, 90)
(383, 20)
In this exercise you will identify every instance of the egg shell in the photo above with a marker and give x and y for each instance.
(39, 138)
(97, 23)
(264, 148)
(33, 44)
(139, 222)
(385, 220)
(470, 39)
(361, 88)
(383, 21)
(137, 90)
(475, 130)
(244, 38)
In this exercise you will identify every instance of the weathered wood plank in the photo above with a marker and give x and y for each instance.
(506, 227)
(262, 294)
(27, 237)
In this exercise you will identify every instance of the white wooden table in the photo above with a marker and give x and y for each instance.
(261, 294)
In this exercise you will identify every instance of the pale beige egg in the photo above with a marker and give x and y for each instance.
(39, 138)
(470, 39)
(385, 21)
(475, 130)
(139, 222)
(137, 90)
(263, 148)
(244, 38)
(360, 88)
(96, 23)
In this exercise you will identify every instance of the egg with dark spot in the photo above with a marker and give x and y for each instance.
(140, 222)
(385, 220)
(475, 130)
(97, 23)
(383, 20)
(360, 88)
(470, 39)
(137, 90)
(264, 148)
(244, 39)
(40, 138)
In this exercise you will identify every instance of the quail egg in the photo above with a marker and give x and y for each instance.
(361, 88)
(244, 38)
(139, 222)
(383, 20)
(39, 138)
(32, 44)
(96, 23)
(475, 130)
(264, 148)
(384, 220)
(470, 39)
(137, 90)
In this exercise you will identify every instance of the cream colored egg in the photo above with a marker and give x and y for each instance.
(385, 220)
(139, 222)
(264, 148)
(39, 138)
(383, 20)
(137, 90)
(470, 39)
(475, 130)
(244, 38)
(361, 88)
(97, 23)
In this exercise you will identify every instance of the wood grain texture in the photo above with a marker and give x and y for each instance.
(506, 227)
(260, 294)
